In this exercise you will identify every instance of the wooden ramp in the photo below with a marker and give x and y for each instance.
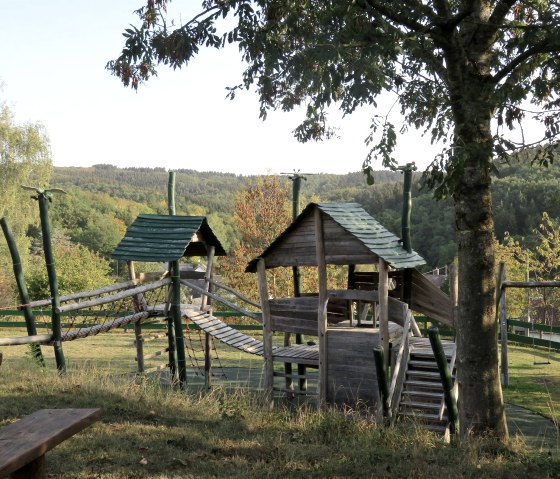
(226, 334)
(299, 353)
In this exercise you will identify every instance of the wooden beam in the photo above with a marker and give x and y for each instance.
(383, 296)
(267, 333)
(322, 306)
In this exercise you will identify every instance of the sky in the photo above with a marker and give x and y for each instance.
(52, 66)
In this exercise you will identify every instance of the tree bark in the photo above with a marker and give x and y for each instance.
(480, 393)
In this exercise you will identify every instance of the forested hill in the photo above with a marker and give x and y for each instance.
(104, 199)
(213, 191)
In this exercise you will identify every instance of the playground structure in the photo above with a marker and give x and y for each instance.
(340, 234)
(344, 234)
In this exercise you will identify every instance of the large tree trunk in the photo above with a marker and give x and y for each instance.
(481, 404)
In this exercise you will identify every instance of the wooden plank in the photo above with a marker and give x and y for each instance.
(32, 436)
(322, 306)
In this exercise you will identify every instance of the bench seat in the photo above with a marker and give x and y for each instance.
(24, 443)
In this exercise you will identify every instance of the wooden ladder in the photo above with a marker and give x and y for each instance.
(422, 395)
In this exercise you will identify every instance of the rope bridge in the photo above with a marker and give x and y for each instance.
(93, 312)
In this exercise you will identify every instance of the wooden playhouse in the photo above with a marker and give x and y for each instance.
(341, 234)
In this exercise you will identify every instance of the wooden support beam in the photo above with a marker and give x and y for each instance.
(267, 333)
(383, 296)
(322, 307)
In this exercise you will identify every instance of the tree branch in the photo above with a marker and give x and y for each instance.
(398, 18)
(546, 46)
(488, 30)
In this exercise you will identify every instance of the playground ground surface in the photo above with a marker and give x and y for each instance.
(532, 397)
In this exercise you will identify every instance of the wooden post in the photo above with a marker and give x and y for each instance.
(322, 307)
(454, 291)
(43, 200)
(383, 290)
(139, 340)
(501, 294)
(267, 333)
(178, 325)
(204, 301)
(22, 289)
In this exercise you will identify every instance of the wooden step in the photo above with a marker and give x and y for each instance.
(422, 364)
(420, 415)
(424, 374)
(290, 375)
(421, 405)
(425, 353)
(424, 384)
(428, 394)
(294, 391)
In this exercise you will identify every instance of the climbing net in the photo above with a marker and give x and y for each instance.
(195, 347)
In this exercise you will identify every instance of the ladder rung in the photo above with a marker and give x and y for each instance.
(420, 415)
(421, 405)
(428, 394)
(294, 391)
(289, 375)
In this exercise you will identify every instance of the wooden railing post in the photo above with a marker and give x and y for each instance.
(502, 312)
(446, 379)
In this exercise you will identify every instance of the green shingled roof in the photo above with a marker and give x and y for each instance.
(380, 241)
(365, 229)
(161, 238)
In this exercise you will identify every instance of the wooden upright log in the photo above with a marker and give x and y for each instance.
(322, 307)
(207, 300)
(178, 325)
(22, 289)
(267, 333)
(383, 293)
(43, 200)
(501, 292)
(139, 341)
(454, 290)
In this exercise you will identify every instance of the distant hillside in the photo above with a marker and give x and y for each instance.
(105, 199)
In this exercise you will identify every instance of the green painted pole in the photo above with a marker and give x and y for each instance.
(379, 357)
(446, 380)
(44, 199)
(175, 326)
(296, 191)
(405, 227)
(22, 288)
(176, 315)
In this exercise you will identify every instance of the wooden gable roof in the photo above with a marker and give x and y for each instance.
(352, 236)
(161, 238)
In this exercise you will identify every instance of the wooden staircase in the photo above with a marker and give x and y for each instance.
(421, 395)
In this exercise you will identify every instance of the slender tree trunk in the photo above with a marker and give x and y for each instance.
(480, 393)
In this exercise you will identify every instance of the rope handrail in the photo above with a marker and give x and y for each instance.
(113, 297)
(235, 293)
(80, 295)
(107, 326)
(188, 284)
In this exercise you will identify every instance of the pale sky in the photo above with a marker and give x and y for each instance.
(52, 64)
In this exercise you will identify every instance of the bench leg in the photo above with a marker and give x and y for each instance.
(34, 470)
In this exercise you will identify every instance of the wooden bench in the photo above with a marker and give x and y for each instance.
(24, 443)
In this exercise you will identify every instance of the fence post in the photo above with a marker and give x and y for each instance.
(501, 294)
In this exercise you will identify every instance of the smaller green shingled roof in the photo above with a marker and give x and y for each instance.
(161, 238)
(363, 227)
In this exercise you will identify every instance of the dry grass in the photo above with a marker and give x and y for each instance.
(149, 431)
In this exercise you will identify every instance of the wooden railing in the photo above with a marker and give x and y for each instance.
(401, 362)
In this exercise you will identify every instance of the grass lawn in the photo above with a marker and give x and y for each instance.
(149, 431)
(532, 385)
